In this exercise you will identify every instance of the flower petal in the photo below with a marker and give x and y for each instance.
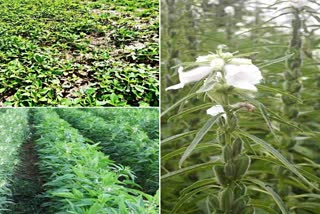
(193, 75)
(215, 110)
(243, 76)
(175, 87)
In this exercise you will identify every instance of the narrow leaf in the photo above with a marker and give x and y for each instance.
(278, 155)
(274, 195)
(199, 137)
(190, 110)
(177, 104)
(178, 136)
(190, 168)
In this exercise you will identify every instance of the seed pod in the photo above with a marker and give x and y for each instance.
(227, 153)
(243, 164)
(236, 147)
(226, 199)
(230, 170)
(221, 178)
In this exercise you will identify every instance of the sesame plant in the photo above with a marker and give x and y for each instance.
(78, 177)
(126, 142)
(147, 119)
(14, 130)
(79, 53)
(284, 113)
(229, 86)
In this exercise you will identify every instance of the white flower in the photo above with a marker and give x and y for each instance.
(215, 110)
(193, 75)
(229, 10)
(243, 76)
(217, 64)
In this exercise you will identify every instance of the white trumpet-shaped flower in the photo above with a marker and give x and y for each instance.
(215, 110)
(193, 75)
(241, 73)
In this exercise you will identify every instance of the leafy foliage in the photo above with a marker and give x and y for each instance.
(79, 178)
(124, 141)
(14, 130)
(79, 53)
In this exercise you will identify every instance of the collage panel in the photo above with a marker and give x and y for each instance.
(79, 53)
(79, 160)
(240, 107)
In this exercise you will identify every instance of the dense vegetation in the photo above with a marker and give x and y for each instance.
(75, 175)
(202, 172)
(14, 132)
(125, 141)
(79, 53)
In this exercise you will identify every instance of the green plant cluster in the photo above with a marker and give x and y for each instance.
(146, 119)
(14, 131)
(125, 142)
(79, 53)
(79, 178)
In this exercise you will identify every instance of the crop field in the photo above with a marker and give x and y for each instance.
(79, 53)
(49, 164)
(240, 106)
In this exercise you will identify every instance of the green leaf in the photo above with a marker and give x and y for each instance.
(278, 155)
(191, 110)
(198, 184)
(187, 196)
(199, 137)
(177, 104)
(274, 195)
(199, 147)
(178, 136)
(189, 169)
(271, 62)
(278, 91)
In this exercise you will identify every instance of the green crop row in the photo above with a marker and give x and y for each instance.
(80, 179)
(125, 143)
(145, 119)
(13, 132)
